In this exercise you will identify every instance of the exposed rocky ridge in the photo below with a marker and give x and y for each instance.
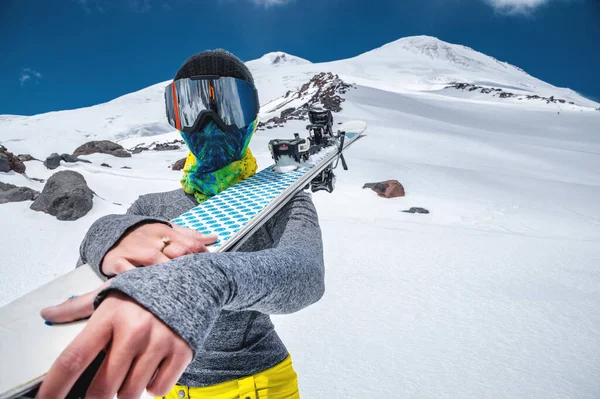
(324, 90)
(505, 94)
(154, 146)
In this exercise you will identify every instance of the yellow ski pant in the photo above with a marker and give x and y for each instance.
(278, 382)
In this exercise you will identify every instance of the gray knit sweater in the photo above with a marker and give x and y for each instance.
(220, 302)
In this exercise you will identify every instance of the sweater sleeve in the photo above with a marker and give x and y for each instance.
(107, 231)
(189, 292)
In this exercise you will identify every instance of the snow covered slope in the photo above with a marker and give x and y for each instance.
(495, 293)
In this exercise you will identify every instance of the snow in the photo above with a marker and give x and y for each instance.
(495, 293)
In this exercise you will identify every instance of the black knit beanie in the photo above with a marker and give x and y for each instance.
(215, 62)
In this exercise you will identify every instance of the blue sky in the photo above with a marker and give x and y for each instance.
(64, 54)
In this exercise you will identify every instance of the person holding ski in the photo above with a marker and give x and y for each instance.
(194, 324)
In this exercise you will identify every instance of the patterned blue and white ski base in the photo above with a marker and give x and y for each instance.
(226, 213)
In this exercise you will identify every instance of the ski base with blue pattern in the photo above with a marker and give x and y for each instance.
(235, 214)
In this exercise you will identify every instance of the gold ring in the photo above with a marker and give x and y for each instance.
(165, 241)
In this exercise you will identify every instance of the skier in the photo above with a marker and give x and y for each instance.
(195, 324)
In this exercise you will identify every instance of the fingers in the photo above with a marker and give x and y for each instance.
(168, 373)
(114, 264)
(138, 344)
(116, 365)
(157, 258)
(75, 359)
(196, 235)
(72, 309)
(140, 375)
(120, 265)
(143, 245)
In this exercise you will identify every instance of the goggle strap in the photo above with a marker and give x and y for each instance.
(212, 91)
(176, 105)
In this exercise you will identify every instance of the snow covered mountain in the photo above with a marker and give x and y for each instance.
(495, 293)
(279, 58)
(420, 64)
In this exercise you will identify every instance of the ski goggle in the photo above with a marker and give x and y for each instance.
(191, 102)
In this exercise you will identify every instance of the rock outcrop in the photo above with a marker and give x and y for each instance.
(505, 94)
(417, 210)
(324, 91)
(8, 161)
(12, 193)
(387, 189)
(154, 146)
(53, 161)
(66, 195)
(102, 147)
(179, 164)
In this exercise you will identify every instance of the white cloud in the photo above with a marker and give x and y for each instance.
(517, 6)
(29, 74)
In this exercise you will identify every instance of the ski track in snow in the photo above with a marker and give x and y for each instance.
(495, 293)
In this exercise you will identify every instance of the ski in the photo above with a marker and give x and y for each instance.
(28, 347)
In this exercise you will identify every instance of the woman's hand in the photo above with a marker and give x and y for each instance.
(143, 246)
(73, 309)
(141, 353)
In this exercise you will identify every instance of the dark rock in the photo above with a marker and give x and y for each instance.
(166, 147)
(275, 120)
(387, 189)
(18, 194)
(66, 195)
(4, 163)
(287, 112)
(26, 157)
(83, 160)
(417, 210)
(179, 164)
(53, 161)
(8, 161)
(125, 167)
(102, 147)
(6, 186)
(105, 165)
(38, 179)
(68, 158)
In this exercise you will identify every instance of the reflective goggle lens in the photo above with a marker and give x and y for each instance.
(231, 102)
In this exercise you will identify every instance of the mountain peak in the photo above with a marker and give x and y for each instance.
(279, 58)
